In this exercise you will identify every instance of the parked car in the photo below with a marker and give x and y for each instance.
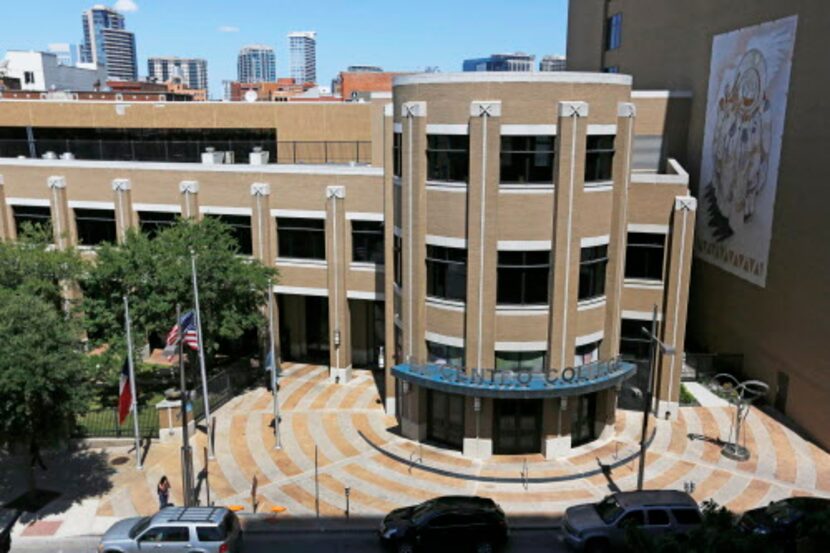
(601, 527)
(174, 530)
(779, 520)
(449, 522)
(8, 518)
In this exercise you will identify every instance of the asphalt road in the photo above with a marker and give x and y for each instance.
(525, 541)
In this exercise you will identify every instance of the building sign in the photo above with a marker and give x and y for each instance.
(749, 77)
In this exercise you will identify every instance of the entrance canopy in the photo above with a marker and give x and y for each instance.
(519, 383)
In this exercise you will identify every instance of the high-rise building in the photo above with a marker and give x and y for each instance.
(302, 47)
(256, 63)
(517, 61)
(552, 63)
(107, 42)
(191, 71)
(754, 137)
(67, 54)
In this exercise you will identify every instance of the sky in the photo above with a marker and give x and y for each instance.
(396, 35)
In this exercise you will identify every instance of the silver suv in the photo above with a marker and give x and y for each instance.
(174, 530)
(601, 526)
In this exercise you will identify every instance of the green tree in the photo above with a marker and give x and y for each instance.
(157, 274)
(43, 377)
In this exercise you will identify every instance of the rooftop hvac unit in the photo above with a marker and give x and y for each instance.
(212, 157)
(230, 157)
(258, 157)
(67, 155)
(50, 155)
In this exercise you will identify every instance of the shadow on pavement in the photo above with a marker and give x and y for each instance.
(76, 474)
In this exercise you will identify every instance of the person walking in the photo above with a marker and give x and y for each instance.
(163, 490)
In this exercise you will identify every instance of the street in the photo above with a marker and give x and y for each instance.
(525, 541)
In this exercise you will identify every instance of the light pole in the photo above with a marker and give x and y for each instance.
(652, 370)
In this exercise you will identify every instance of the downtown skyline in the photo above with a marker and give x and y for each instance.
(399, 40)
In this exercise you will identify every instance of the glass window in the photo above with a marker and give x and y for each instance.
(633, 343)
(587, 353)
(527, 159)
(611, 69)
(609, 509)
(367, 241)
(95, 226)
(211, 533)
(166, 534)
(592, 272)
(644, 255)
(448, 157)
(36, 216)
(301, 238)
(658, 517)
(521, 360)
(599, 157)
(522, 277)
(447, 273)
(632, 518)
(153, 222)
(613, 32)
(443, 354)
(397, 154)
(686, 516)
(397, 246)
(240, 230)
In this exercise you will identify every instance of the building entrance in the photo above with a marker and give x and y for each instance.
(367, 332)
(583, 429)
(517, 426)
(445, 422)
(304, 328)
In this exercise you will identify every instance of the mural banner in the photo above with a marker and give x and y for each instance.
(749, 77)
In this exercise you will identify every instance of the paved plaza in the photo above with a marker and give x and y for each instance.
(358, 447)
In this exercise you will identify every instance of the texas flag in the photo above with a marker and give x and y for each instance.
(125, 394)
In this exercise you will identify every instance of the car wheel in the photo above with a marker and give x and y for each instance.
(596, 546)
(406, 547)
(484, 547)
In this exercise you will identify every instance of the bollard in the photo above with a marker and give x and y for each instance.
(347, 490)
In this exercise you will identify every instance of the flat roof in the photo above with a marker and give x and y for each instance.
(513, 77)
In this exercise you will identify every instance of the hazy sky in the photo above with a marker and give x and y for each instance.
(392, 34)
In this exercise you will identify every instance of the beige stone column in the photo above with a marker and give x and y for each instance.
(569, 175)
(414, 412)
(478, 427)
(262, 224)
(482, 230)
(190, 199)
(615, 271)
(413, 221)
(676, 292)
(389, 257)
(556, 427)
(340, 356)
(6, 218)
(62, 225)
(124, 215)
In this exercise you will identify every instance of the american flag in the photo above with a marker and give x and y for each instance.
(125, 393)
(191, 336)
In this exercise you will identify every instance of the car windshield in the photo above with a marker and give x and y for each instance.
(421, 511)
(781, 512)
(608, 509)
(140, 526)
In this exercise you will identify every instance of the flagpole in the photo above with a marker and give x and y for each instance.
(274, 383)
(187, 458)
(201, 355)
(132, 384)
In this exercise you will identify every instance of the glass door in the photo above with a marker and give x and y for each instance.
(445, 422)
(518, 426)
(582, 426)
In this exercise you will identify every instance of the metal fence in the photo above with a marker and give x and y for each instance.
(702, 366)
(104, 424)
(221, 388)
(323, 152)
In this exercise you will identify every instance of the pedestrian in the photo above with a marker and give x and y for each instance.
(163, 490)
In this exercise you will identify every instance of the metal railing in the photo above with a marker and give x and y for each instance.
(324, 152)
(701, 366)
(104, 424)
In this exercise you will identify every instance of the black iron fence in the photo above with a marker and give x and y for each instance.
(104, 424)
(700, 367)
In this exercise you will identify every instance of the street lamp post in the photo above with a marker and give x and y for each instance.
(647, 396)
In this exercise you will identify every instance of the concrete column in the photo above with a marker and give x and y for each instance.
(124, 214)
(676, 292)
(62, 220)
(556, 427)
(482, 231)
(340, 351)
(413, 221)
(414, 415)
(378, 114)
(388, 255)
(569, 175)
(262, 225)
(615, 271)
(190, 199)
(6, 218)
(478, 427)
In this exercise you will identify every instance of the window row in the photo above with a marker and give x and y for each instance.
(522, 159)
(534, 360)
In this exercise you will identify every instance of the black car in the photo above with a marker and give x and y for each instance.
(446, 523)
(779, 520)
(8, 518)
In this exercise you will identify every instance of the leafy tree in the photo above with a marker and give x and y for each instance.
(157, 274)
(43, 377)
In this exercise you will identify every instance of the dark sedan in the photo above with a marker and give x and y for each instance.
(446, 523)
(779, 520)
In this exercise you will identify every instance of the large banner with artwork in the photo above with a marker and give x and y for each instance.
(749, 77)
